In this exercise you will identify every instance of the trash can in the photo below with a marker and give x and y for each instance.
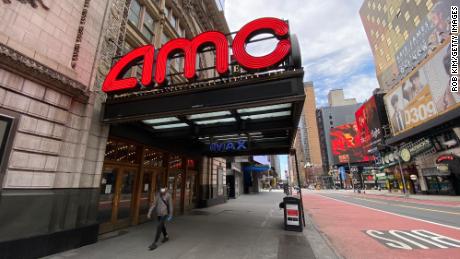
(292, 213)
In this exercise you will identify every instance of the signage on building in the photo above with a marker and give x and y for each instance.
(423, 95)
(405, 155)
(155, 62)
(229, 146)
(419, 146)
(443, 158)
(369, 123)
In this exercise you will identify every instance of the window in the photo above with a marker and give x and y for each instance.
(126, 48)
(148, 26)
(173, 20)
(164, 38)
(134, 14)
(7, 125)
(167, 13)
(407, 16)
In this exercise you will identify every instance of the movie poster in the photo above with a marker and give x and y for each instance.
(346, 144)
(368, 125)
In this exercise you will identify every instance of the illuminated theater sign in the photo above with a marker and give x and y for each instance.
(155, 64)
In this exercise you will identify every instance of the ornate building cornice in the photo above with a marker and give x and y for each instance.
(33, 3)
(15, 61)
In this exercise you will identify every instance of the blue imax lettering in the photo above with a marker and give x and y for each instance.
(228, 146)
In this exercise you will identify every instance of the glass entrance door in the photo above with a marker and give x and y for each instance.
(126, 190)
(107, 195)
(116, 197)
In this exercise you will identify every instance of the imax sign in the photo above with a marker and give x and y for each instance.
(229, 146)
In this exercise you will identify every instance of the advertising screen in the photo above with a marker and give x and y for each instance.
(346, 144)
(368, 124)
(423, 95)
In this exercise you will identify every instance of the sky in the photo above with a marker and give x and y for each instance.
(334, 46)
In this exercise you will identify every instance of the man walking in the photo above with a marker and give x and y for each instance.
(162, 204)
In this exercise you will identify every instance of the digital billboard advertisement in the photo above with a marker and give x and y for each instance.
(346, 145)
(423, 95)
(368, 124)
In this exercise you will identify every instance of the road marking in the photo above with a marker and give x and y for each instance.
(379, 202)
(412, 239)
(407, 206)
(391, 213)
(413, 207)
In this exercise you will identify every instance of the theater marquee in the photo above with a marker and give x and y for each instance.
(155, 65)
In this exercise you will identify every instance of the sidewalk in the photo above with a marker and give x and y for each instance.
(248, 227)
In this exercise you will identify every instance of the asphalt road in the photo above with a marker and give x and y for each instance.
(449, 216)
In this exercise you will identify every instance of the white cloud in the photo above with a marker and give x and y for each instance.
(335, 50)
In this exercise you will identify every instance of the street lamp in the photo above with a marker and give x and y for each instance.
(398, 157)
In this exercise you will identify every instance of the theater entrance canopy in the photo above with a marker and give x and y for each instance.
(243, 104)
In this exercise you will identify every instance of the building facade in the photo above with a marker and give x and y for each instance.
(54, 149)
(336, 97)
(411, 45)
(309, 137)
(329, 117)
(65, 176)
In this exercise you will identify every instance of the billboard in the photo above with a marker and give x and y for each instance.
(369, 125)
(346, 145)
(423, 95)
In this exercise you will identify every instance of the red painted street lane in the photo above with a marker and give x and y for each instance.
(345, 226)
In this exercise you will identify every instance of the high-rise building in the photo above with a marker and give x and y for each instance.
(275, 163)
(307, 139)
(336, 97)
(411, 44)
(402, 34)
(329, 117)
(309, 134)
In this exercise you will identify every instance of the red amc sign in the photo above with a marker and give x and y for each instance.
(157, 73)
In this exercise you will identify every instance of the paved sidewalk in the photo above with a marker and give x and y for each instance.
(248, 227)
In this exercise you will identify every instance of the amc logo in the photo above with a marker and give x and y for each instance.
(154, 65)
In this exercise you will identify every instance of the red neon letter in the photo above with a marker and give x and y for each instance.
(190, 49)
(273, 25)
(113, 83)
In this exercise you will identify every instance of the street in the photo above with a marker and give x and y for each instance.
(370, 226)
